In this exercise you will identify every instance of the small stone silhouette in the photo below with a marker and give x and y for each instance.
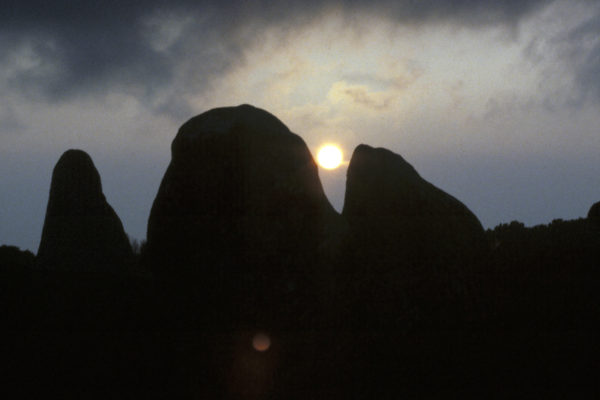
(81, 230)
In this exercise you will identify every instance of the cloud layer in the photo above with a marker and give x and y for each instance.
(63, 49)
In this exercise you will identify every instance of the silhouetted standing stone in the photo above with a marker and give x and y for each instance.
(238, 239)
(81, 230)
(240, 215)
(406, 258)
(409, 243)
(408, 221)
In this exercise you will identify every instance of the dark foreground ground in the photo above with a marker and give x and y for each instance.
(523, 324)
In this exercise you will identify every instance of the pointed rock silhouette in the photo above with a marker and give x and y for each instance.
(81, 230)
(402, 217)
(404, 268)
(409, 245)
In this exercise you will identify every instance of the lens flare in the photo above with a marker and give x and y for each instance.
(261, 342)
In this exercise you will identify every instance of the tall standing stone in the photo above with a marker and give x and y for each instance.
(240, 215)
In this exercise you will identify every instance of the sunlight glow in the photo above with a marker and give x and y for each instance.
(330, 156)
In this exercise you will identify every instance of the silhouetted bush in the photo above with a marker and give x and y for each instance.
(14, 259)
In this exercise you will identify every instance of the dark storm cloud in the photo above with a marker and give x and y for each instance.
(88, 45)
(63, 48)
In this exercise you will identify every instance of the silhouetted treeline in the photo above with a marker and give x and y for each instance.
(525, 318)
(545, 276)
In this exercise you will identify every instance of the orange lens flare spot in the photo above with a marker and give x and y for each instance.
(261, 342)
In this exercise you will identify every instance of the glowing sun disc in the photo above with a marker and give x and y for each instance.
(329, 156)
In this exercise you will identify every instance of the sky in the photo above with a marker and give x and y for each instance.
(497, 103)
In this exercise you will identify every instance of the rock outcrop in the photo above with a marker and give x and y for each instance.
(240, 216)
(81, 230)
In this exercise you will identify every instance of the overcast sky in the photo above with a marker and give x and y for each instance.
(495, 102)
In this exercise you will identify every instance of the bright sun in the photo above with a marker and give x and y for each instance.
(329, 156)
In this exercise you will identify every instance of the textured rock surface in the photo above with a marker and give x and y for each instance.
(81, 230)
(240, 213)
